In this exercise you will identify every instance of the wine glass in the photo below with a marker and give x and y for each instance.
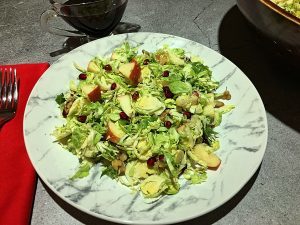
(91, 19)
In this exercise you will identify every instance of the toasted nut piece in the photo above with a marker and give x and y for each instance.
(121, 170)
(163, 114)
(123, 156)
(218, 104)
(226, 95)
(68, 105)
(162, 58)
(196, 93)
(116, 164)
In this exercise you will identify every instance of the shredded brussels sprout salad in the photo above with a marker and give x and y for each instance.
(147, 117)
(291, 6)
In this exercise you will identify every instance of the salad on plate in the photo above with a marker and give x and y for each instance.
(147, 117)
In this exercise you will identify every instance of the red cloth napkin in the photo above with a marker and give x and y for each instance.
(17, 176)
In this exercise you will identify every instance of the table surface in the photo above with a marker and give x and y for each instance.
(272, 196)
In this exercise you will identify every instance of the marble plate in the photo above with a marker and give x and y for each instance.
(243, 136)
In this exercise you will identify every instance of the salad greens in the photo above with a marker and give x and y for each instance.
(147, 117)
(291, 6)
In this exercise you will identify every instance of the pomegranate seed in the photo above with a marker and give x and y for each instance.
(123, 116)
(165, 73)
(103, 138)
(168, 124)
(113, 86)
(187, 114)
(135, 96)
(108, 68)
(82, 76)
(167, 92)
(161, 157)
(146, 61)
(151, 161)
(81, 119)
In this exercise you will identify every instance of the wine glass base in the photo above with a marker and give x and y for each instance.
(123, 27)
(74, 42)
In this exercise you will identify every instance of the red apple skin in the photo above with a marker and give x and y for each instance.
(113, 134)
(111, 137)
(95, 95)
(135, 75)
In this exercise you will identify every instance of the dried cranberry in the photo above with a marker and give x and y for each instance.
(108, 68)
(146, 61)
(167, 92)
(113, 86)
(151, 161)
(165, 73)
(82, 76)
(168, 124)
(161, 157)
(123, 116)
(135, 96)
(81, 119)
(187, 114)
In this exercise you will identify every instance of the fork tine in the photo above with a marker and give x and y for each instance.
(8, 94)
(9, 91)
(15, 91)
(4, 90)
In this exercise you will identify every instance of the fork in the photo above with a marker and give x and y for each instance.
(8, 94)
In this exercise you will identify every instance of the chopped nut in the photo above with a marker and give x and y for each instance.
(123, 156)
(116, 164)
(226, 95)
(162, 58)
(196, 93)
(218, 104)
(68, 105)
(121, 170)
(164, 114)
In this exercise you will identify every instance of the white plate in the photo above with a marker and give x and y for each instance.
(243, 137)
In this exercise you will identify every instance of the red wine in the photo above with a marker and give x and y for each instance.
(96, 18)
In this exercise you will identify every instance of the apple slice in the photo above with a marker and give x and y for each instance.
(92, 92)
(114, 132)
(131, 71)
(213, 162)
(202, 153)
(114, 56)
(125, 103)
(92, 67)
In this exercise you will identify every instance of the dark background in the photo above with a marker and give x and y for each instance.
(276, 80)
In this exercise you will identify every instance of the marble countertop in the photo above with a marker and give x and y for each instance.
(272, 196)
